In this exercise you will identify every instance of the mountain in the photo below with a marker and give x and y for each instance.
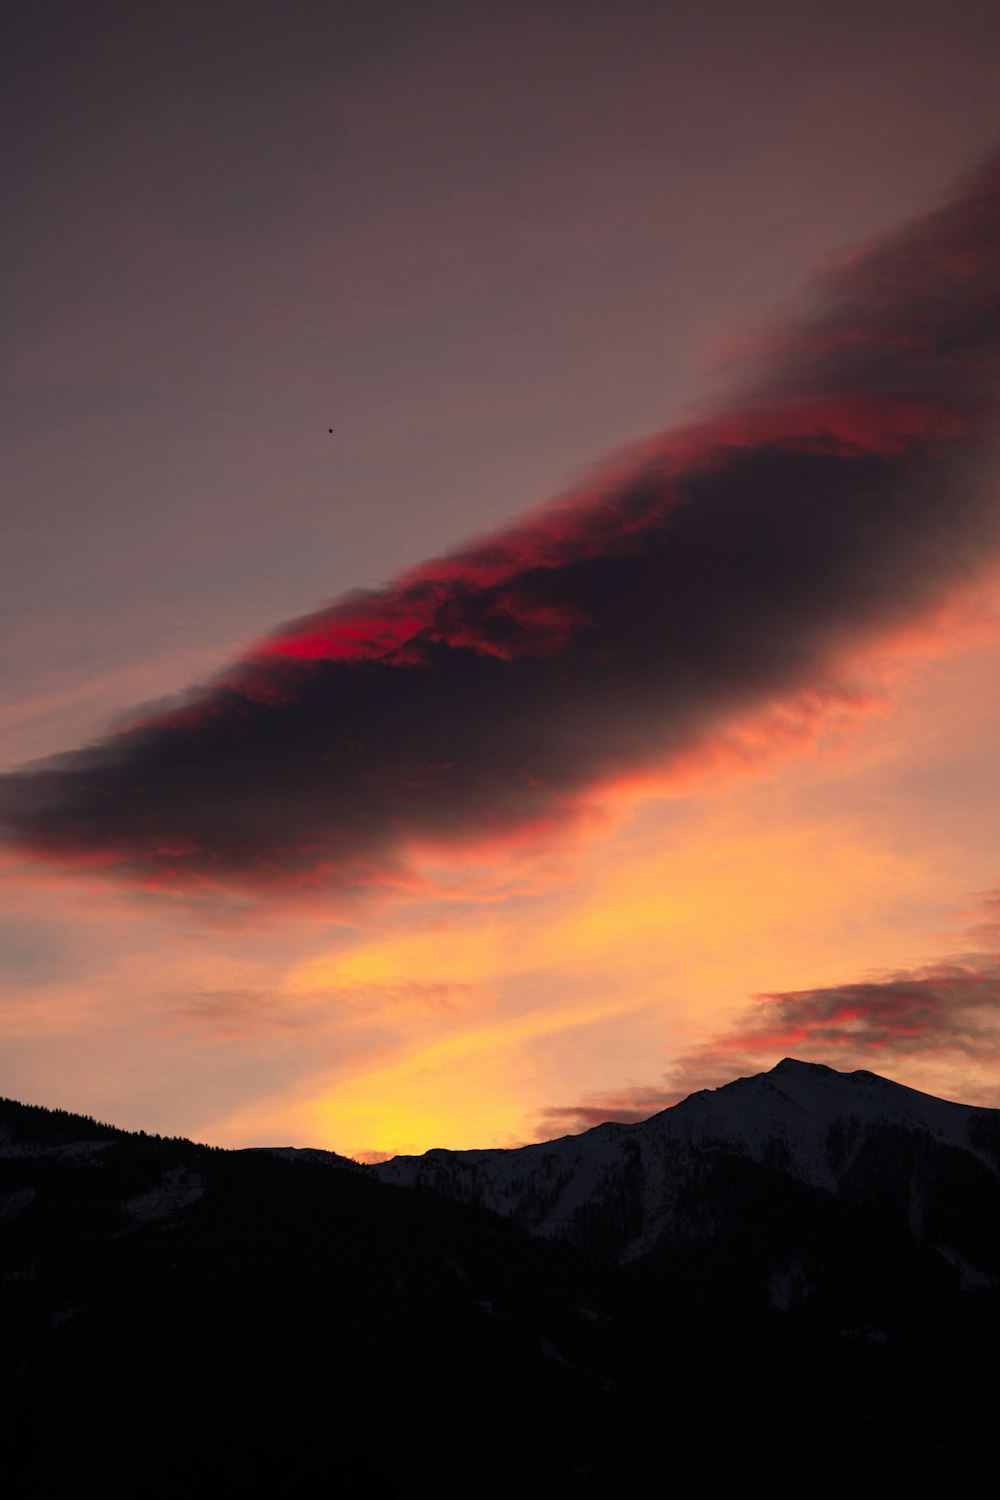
(177, 1320)
(794, 1275)
(617, 1190)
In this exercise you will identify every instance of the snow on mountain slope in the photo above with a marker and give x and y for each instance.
(803, 1119)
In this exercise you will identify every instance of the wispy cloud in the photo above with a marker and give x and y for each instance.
(247, 1011)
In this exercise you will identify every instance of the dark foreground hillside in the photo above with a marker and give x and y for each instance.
(180, 1321)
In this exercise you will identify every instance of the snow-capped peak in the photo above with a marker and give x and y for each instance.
(802, 1118)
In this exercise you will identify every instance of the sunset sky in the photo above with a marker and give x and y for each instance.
(607, 705)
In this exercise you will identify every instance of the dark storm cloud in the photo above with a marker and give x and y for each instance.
(484, 692)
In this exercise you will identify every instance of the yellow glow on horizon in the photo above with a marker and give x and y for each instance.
(456, 1090)
(664, 942)
(465, 1088)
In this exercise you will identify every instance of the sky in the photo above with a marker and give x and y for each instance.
(501, 560)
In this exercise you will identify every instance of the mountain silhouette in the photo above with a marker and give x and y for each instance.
(798, 1273)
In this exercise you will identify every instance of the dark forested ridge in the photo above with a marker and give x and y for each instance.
(183, 1321)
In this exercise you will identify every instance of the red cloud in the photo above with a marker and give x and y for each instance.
(726, 568)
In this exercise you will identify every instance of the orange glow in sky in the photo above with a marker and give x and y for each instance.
(816, 874)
